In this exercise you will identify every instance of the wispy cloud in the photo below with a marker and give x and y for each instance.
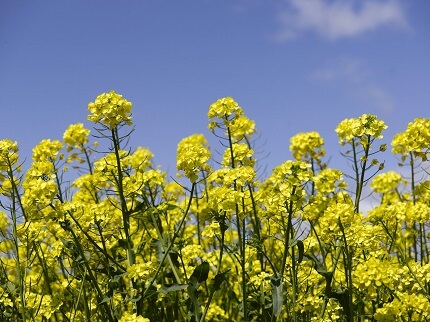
(346, 68)
(354, 72)
(338, 18)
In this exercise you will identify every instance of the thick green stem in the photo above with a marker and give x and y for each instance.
(241, 234)
(124, 211)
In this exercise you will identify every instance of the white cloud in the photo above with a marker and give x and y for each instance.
(354, 72)
(350, 69)
(338, 18)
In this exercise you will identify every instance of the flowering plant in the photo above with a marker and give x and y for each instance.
(122, 243)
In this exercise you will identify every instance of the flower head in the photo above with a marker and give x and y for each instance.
(364, 126)
(75, 136)
(192, 155)
(305, 145)
(8, 153)
(415, 139)
(111, 109)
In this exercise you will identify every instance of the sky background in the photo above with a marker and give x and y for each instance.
(293, 65)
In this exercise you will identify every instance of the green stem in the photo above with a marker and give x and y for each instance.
(211, 294)
(124, 211)
(239, 232)
(93, 279)
(175, 235)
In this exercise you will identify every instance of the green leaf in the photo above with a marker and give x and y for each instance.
(317, 264)
(218, 280)
(11, 287)
(200, 273)
(277, 298)
(171, 206)
(167, 288)
(66, 243)
(122, 243)
(134, 300)
(105, 299)
(301, 248)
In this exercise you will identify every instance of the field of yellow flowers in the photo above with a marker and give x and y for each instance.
(122, 243)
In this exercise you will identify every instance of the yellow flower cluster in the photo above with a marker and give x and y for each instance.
(307, 145)
(414, 307)
(372, 274)
(8, 166)
(75, 136)
(286, 184)
(216, 314)
(415, 139)
(295, 173)
(140, 271)
(242, 155)
(8, 154)
(385, 182)
(192, 156)
(39, 185)
(46, 150)
(362, 127)
(328, 180)
(241, 127)
(111, 109)
(128, 317)
(120, 243)
(224, 108)
(236, 125)
(44, 305)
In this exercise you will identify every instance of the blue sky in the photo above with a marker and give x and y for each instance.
(293, 65)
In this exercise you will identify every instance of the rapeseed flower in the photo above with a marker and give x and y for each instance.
(110, 109)
(192, 156)
(385, 182)
(307, 145)
(75, 136)
(362, 127)
(415, 139)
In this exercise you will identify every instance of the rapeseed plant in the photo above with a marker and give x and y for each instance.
(120, 242)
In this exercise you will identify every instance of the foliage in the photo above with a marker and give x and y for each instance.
(122, 243)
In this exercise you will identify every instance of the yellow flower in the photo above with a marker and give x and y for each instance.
(241, 127)
(325, 181)
(415, 139)
(365, 126)
(46, 150)
(140, 271)
(76, 136)
(307, 145)
(110, 109)
(192, 155)
(242, 155)
(386, 182)
(8, 154)
(128, 317)
(224, 108)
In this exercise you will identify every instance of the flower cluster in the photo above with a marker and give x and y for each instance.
(75, 136)
(364, 126)
(121, 243)
(192, 156)
(224, 108)
(111, 109)
(307, 145)
(415, 139)
(386, 182)
(8, 154)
